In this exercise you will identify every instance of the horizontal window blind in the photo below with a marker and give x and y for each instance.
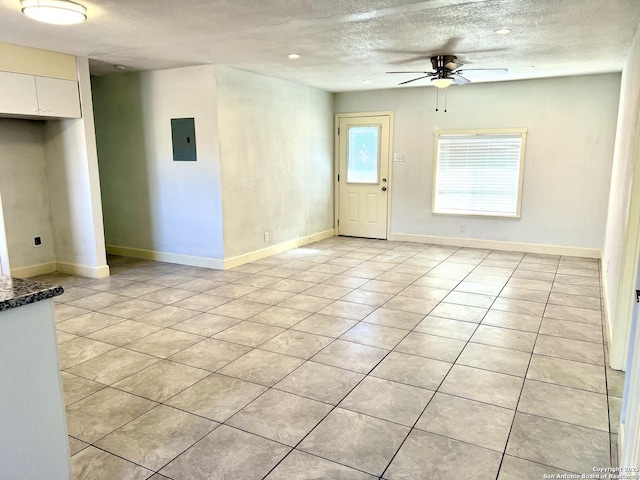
(478, 174)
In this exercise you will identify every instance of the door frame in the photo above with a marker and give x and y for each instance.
(5, 267)
(336, 163)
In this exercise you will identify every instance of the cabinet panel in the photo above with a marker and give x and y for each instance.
(57, 97)
(18, 94)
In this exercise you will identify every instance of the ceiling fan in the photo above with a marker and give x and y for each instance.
(447, 71)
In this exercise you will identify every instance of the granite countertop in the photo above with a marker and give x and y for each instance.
(15, 292)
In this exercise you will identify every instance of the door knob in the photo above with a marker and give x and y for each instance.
(384, 189)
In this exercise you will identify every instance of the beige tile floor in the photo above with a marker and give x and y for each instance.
(345, 359)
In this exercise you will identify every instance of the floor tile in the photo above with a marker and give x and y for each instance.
(352, 311)
(483, 386)
(444, 327)
(345, 281)
(320, 382)
(280, 416)
(259, 366)
(268, 296)
(94, 464)
(428, 456)
(248, 333)
(325, 325)
(573, 330)
(98, 301)
(165, 342)
(64, 312)
(217, 397)
(495, 359)
(557, 444)
(565, 404)
(296, 344)
(459, 312)
(505, 338)
(410, 304)
(280, 317)
(412, 370)
(470, 299)
(395, 402)
(166, 316)
(167, 296)
(524, 294)
(438, 348)
(293, 286)
(569, 349)
(124, 332)
(374, 335)
(615, 382)
(302, 466)
(76, 445)
(76, 388)
(530, 283)
(513, 468)
(575, 289)
(202, 302)
(394, 318)
(473, 422)
(206, 324)
(131, 308)
(615, 408)
(239, 309)
(103, 412)
(367, 297)
(480, 288)
(210, 354)
(112, 366)
(515, 321)
(355, 440)
(518, 306)
(239, 455)
(328, 291)
(306, 303)
(351, 356)
(157, 437)
(573, 314)
(568, 373)
(161, 380)
(233, 290)
(425, 293)
(88, 323)
(581, 301)
(80, 350)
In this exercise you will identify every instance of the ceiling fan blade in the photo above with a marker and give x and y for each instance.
(459, 79)
(414, 79)
(427, 73)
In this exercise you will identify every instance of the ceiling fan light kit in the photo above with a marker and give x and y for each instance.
(57, 12)
(442, 82)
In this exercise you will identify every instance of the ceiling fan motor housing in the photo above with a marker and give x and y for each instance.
(444, 62)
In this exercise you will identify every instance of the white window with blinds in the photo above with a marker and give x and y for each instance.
(479, 172)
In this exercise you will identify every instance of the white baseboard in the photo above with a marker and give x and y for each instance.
(83, 270)
(34, 270)
(274, 249)
(178, 258)
(217, 263)
(498, 245)
(62, 267)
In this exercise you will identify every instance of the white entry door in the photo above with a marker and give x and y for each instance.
(363, 181)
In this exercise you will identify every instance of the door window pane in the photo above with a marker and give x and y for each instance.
(363, 154)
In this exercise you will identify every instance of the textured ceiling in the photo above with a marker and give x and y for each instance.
(342, 42)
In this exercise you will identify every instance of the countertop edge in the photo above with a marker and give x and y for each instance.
(16, 292)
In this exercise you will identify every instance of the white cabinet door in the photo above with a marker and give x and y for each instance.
(18, 94)
(57, 97)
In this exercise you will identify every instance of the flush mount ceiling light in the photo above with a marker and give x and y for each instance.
(367, 81)
(294, 56)
(57, 12)
(442, 82)
(502, 31)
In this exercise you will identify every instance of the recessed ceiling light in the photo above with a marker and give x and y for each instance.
(119, 67)
(367, 81)
(57, 12)
(529, 67)
(294, 56)
(502, 31)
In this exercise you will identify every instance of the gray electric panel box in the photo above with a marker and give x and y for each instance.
(183, 137)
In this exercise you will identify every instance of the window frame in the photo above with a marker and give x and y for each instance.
(479, 132)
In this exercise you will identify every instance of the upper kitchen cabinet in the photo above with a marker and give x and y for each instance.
(37, 83)
(33, 96)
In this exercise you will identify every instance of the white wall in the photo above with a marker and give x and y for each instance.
(152, 203)
(276, 141)
(25, 197)
(620, 253)
(571, 127)
(74, 188)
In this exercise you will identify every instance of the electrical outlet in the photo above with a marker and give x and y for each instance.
(37, 241)
(266, 236)
(463, 228)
